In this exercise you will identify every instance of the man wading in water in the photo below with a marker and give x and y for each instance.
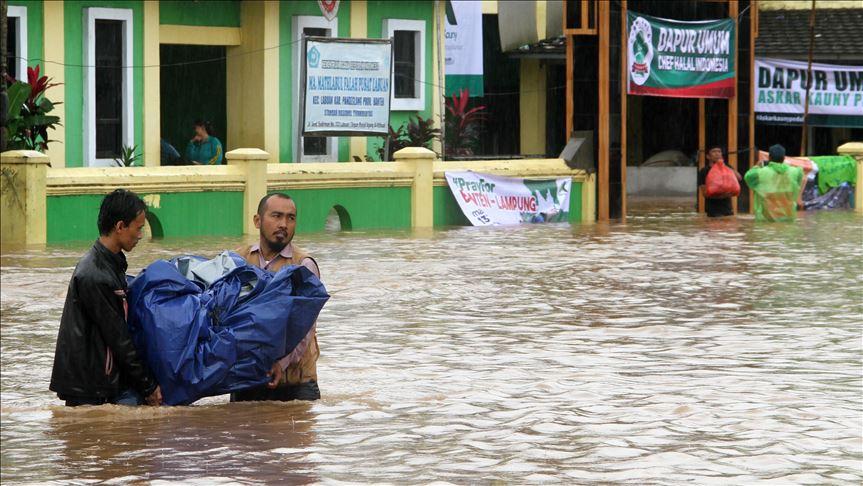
(294, 377)
(716, 207)
(95, 361)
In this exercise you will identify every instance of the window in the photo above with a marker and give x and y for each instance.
(409, 83)
(108, 84)
(16, 42)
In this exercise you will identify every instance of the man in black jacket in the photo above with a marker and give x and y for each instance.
(95, 361)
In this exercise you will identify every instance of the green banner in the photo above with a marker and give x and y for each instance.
(680, 59)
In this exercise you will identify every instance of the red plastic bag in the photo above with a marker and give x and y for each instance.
(721, 182)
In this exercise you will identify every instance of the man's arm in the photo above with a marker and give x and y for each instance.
(96, 302)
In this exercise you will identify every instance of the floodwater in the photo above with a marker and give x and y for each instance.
(668, 349)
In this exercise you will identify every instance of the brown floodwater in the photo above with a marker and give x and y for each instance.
(667, 349)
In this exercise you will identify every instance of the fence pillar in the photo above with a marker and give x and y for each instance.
(22, 197)
(588, 199)
(422, 194)
(253, 163)
(855, 149)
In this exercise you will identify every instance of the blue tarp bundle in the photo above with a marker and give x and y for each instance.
(203, 339)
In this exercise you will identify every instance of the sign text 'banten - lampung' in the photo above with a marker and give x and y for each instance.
(494, 200)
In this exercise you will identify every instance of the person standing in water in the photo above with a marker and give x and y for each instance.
(293, 377)
(715, 207)
(95, 361)
(776, 187)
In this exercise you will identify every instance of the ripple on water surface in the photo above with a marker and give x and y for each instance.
(668, 349)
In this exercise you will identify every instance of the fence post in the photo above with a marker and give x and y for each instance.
(22, 197)
(855, 149)
(422, 194)
(253, 163)
(588, 199)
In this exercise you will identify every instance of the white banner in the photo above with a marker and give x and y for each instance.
(347, 87)
(464, 39)
(493, 200)
(463, 47)
(836, 91)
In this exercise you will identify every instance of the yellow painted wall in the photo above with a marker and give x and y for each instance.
(359, 29)
(532, 106)
(54, 49)
(806, 5)
(252, 81)
(489, 7)
(437, 55)
(152, 85)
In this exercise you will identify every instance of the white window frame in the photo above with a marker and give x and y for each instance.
(419, 26)
(299, 23)
(20, 12)
(90, 17)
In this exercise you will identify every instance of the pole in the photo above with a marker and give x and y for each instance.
(3, 98)
(440, 81)
(301, 118)
(805, 139)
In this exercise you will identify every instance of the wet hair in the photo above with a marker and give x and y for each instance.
(119, 205)
(263, 203)
(777, 153)
(206, 125)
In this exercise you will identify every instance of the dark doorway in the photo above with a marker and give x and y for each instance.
(500, 130)
(555, 111)
(193, 86)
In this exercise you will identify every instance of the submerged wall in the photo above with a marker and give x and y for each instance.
(190, 201)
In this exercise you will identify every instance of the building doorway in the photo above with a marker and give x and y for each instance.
(192, 87)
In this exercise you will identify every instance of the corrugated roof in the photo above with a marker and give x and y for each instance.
(785, 34)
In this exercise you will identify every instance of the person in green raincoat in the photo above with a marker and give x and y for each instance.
(204, 148)
(776, 187)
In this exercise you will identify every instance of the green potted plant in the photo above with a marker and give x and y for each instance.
(128, 156)
(27, 115)
(463, 125)
(420, 132)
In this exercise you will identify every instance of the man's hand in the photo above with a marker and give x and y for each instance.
(276, 373)
(155, 398)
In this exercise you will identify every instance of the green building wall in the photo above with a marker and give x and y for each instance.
(288, 9)
(358, 208)
(35, 35)
(191, 214)
(73, 15)
(224, 13)
(182, 214)
(377, 11)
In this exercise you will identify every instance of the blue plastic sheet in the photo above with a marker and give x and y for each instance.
(202, 340)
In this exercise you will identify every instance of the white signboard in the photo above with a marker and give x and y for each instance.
(347, 86)
(835, 97)
(493, 200)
